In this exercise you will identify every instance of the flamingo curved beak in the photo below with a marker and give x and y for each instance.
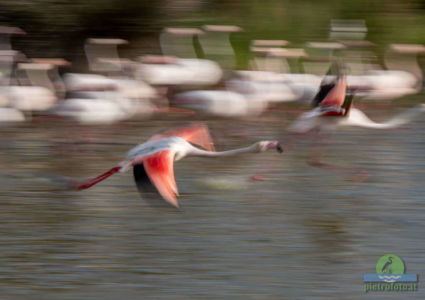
(279, 148)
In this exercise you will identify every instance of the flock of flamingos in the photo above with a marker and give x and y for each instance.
(117, 89)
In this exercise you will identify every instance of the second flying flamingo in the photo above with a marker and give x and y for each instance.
(333, 108)
(153, 161)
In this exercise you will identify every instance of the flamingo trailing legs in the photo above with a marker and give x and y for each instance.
(152, 161)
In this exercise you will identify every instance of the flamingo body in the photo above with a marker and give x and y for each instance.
(30, 98)
(11, 115)
(91, 111)
(222, 103)
(103, 107)
(384, 85)
(275, 87)
(88, 82)
(187, 71)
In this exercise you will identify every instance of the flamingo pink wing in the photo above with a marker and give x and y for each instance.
(336, 96)
(197, 134)
(159, 167)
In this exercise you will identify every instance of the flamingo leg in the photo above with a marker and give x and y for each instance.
(319, 147)
(92, 181)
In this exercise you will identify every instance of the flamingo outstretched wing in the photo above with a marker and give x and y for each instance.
(336, 95)
(197, 134)
(159, 169)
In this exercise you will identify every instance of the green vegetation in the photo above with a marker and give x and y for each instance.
(59, 27)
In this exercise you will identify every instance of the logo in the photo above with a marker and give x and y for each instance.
(390, 276)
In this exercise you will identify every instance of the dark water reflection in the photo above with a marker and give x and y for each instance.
(305, 233)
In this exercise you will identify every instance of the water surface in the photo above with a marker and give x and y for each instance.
(304, 233)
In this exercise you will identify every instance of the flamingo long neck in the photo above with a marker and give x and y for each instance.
(199, 152)
(358, 118)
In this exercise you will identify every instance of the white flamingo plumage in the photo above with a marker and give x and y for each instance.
(101, 100)
(152, 161)
(8, 114)
(222, 103)
(102, 111)
(180, 71)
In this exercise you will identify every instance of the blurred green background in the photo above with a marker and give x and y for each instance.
(58, 28)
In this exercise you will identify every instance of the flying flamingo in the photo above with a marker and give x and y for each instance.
(153, 160)
(334, 109)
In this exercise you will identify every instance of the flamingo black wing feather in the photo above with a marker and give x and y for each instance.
(323, 92)
(142, 180)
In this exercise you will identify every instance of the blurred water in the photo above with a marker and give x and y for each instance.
(304, 233)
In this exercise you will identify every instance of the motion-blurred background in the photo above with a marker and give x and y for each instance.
(81, 82)
(59, 28)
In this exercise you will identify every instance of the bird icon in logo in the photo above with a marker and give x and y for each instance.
(386, 269)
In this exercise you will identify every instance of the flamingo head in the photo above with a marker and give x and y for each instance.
(266, 145)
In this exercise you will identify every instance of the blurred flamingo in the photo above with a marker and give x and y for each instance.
(152, 161)
(8, 114)
(32, 96)
(334, 109)
(179, 65)
(222, 103)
